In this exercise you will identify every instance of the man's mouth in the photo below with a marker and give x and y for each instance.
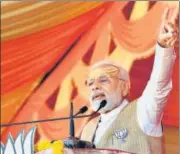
(98, 96)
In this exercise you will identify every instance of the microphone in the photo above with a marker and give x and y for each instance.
(82, 110)
(74, 142)
(102, 104)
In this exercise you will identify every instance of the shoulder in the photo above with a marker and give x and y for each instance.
(131, 107)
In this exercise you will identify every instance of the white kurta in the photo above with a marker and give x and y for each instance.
(151, 104)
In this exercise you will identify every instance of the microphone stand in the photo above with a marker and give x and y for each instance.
(43, 120)
(71, 121)
(54, 119)
(74, 142)
(71, 142)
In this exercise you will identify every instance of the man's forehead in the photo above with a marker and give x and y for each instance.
(96, 72)
(102, 70)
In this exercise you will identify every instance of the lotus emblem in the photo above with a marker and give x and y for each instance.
(121, 134)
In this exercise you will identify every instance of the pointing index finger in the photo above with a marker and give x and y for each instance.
(174, 15)
(165, 14)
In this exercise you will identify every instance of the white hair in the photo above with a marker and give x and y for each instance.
(123, 74)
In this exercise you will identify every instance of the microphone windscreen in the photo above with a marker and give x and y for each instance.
(83, 109)
(103, 103)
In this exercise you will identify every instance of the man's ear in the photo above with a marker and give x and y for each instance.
(125, 88)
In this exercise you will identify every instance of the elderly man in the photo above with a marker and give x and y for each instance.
(132, 127)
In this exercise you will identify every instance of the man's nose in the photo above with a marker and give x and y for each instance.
(95, 86)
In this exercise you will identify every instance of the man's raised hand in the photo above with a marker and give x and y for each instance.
(168, 36)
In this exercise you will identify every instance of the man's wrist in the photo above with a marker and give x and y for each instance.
(165, 51)
(164, 45)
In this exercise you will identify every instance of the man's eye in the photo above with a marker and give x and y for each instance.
(103, 80)
(90, 83)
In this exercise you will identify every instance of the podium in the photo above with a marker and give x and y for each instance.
(86, 151)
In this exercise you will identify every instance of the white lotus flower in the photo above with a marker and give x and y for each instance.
(21, 145)
(2, 148)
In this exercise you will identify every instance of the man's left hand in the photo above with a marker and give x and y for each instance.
(168, 36)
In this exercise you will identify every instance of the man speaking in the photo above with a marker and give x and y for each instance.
(136, 126)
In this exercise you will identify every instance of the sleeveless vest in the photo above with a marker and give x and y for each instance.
(124, 134)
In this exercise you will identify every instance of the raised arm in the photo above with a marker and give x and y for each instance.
(151, 104)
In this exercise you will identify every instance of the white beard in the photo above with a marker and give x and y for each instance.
(113, 99)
